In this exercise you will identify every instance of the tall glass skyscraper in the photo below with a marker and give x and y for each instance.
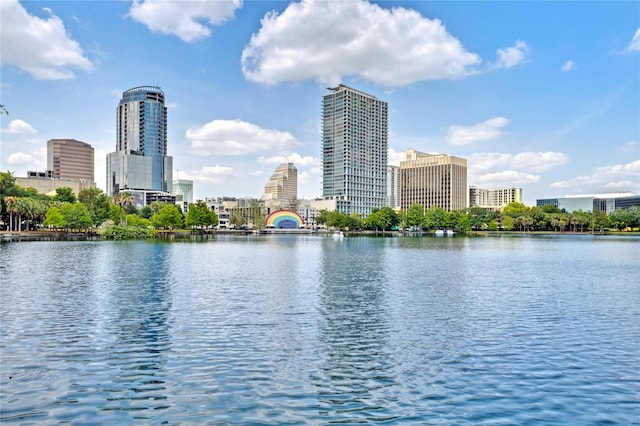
(140, 161)
(354, 150)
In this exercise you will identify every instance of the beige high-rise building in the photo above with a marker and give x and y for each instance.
(71, 159)
(438, 180)
(283, 184)
(493, 199)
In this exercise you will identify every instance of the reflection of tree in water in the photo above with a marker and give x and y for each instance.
(357, 368)
(141, 293)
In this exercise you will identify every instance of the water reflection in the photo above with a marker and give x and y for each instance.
(357, 365)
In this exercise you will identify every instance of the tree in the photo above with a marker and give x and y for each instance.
(76, 216)
(383, 219)
(600, 221)
(122, 199)
(54, 218)
(199, 215)
(65, 195)
(97, 202)
(507, 223)
(434, 218)
(515, 209)
(167, 217)
(415, 216)
(464, 223)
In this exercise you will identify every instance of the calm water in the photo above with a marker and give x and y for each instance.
(312, 330)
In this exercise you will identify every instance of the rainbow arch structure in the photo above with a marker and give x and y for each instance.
(284, 219)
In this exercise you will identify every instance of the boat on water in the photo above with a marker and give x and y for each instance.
(338, 235)
(439, 233)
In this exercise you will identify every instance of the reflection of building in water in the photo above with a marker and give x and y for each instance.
(355, 331)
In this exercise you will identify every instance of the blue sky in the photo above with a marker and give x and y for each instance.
(539, 95)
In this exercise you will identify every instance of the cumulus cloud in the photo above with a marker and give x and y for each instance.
(537, 162)
(489, 129)
(634, 45)
(327, 41)
(188, 20)
(210, 174)
(236, 137)
(512, 56)
(19, 127)
(569, 66)
(617, 177)
(631, 146)
(38, 46)
(294, 158)
(394, 157)
(495, 170)
(21, 158)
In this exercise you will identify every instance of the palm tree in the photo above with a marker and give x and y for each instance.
(9, 202)
(122, 199)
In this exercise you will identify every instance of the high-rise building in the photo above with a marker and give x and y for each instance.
(283, 184)
(183, 190)
(71, 159)
(493, 199)
(438, 180)
(354, 150)
(140, 162)
(393, 187)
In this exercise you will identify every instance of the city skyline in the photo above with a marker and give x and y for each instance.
(537, 95)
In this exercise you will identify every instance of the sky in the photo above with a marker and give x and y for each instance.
(544, 96)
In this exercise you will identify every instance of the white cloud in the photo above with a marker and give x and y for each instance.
(189, 20)
(38, 46)
(631, 146)
(394, 157)
(512, 56)
(497, 170)
(19, 127)
(34, 160)
(236, 137)
(618, 177)
(21, 158)
(294, 158)
(489, 129)
(210, 174)
(505, 178)
(569, 66)
(536, 162)
(634, 45)
(327, 41)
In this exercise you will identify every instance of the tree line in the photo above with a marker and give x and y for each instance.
(513, 217)
(25, 209)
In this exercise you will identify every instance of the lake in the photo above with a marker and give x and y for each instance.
(305, 329)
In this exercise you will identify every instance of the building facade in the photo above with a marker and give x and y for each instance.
(283, 184)
(433, 180)
(354, 150)
(595, 202)
(183, 191)
(393, 187)
(70, 159)
(493, 199)
(140, 161)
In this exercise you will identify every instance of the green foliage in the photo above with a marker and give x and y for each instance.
(383, 219)
(515, 209)
(479, 218)
(97, 202)
(65, 195)
(127, 233)
(168, 217)
(507, 223)
(464, 223)
(146, 212)
(625, 218)
(415, 216)
(434, 218)
(137, 221)
(54, 218)
(493, 226)
(199, 215)
(76, 216)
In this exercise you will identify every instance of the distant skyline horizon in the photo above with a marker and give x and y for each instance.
(528, 100)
